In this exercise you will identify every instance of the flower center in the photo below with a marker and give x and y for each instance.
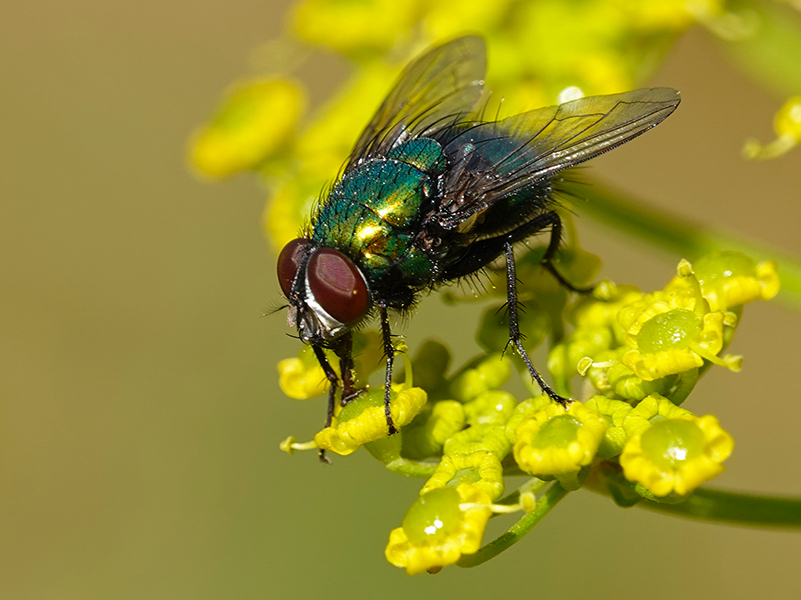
(358, 405)
(433, 516)
(673, 329)
(715, 268)
(558, 431)
(671, 442)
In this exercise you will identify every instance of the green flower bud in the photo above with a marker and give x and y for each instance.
(368, 355)
(426, 435)
(493, 407)
(488, 373)
(430, 365)
(493, 331)
(615, 412)
(486, 438)
(564, 358)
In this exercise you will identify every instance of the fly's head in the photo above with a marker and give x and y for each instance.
(327, 293)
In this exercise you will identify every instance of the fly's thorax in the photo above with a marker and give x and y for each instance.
(328, 294)
(423, 153)
(373, 213)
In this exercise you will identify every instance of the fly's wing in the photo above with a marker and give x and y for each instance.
(492, 160)
(437, 89)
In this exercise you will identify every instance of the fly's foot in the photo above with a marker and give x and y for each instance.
(351, 395)
(564, 402)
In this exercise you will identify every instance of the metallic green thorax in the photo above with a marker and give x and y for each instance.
(373, 213)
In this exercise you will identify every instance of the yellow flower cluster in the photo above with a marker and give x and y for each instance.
(630, 345)
(641, 355)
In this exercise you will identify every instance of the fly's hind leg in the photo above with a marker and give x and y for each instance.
(553, 219)
(515, 337)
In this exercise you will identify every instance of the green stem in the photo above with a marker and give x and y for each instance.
(710, 505)
(734, 508)
(549, 499)
(676, 235)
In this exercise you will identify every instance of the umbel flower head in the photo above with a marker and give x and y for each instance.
(639, 354)
(646, 353)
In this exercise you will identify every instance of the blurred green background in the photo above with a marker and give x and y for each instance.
(140, 414)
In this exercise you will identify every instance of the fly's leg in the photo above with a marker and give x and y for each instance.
(514, 328)
(482, 253)
(344, 350)
(389, 351)
(333, 380)
(553, 219)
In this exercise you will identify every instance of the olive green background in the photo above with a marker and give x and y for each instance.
(139, 409)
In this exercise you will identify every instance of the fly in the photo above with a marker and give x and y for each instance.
(431, 194)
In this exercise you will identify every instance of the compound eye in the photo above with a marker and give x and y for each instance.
(289, 262)
(338, 285)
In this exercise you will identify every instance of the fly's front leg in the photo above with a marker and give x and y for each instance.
(344, 350)
(553, 219)
(333, 380)
(514, 327)
(389, 351)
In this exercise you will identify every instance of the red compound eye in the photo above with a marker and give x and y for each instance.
(288, 263)
(338, 286)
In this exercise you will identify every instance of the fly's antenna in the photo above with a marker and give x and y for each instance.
(274, 309)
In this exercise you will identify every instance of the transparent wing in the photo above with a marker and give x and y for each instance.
(492, 160)
(437, 89)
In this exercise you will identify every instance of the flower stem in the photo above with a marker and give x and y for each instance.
(715, 505)
(734, 508)
(515, 533)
